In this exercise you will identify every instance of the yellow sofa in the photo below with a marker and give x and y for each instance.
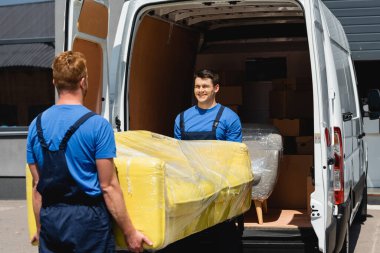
(176, 188)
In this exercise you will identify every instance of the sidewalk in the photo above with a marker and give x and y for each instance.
(14, 235)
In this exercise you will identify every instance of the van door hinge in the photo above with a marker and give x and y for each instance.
(314, 212)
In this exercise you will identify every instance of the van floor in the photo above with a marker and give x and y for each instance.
(278, 218)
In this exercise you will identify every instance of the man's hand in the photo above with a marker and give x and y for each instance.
(35, 239)
(136, 240)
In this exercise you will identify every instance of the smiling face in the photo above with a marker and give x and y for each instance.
(205, 91)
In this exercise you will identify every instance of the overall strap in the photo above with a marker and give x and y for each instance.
(216, 121)
(182, 122)
(73, 128)
(39, 132)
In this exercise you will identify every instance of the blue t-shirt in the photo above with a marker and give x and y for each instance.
(197, 120)
(94, 139)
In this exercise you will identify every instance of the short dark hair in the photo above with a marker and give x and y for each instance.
(206, 73)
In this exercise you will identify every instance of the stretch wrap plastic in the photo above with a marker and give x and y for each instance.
(174, 188)
(265, 148)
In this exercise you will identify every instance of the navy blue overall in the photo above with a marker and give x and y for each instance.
(221, 238)
(71, 220)
(204, 135)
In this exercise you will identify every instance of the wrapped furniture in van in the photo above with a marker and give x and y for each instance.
(265, 148)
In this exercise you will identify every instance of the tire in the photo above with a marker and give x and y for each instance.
(361, 215)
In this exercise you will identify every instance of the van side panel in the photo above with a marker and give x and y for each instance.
(350, 120)
(94, 56)
(359, 151)
(347, 118)
(173, 48)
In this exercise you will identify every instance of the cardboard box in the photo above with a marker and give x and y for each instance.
(277, 104)
(283, 84)
(305, 145)
(230, 95)
(234, 108)
(300, 84)
(290, 145)
(294, 127)
(290, 191)
(255, 106)
(231, 77)
(257, 116)
(300, 145)
(291, 104)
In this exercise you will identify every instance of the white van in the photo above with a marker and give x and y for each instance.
(284, 61)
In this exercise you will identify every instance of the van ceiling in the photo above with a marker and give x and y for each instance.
(220, 14)
(245, 23)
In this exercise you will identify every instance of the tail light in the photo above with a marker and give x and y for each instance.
(338, 167)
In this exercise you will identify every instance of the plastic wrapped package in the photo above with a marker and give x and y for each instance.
(176, 188)
(173, 188)
(265, 148)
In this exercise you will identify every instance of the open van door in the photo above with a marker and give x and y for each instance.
(322, 199)
(86, 31)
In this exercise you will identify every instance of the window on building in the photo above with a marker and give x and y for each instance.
(24, 93)
(347, 96)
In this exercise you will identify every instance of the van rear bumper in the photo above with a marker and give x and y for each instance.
(279, 240)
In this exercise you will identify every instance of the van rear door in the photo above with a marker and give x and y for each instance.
(322, 198)
(86, 31)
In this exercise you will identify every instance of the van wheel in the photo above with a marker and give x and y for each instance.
(346, 243)
(361, 215)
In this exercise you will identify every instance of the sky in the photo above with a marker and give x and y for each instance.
(10, 2)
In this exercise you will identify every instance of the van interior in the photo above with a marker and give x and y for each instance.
(260, 51)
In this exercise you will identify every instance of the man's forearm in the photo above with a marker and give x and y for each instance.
(36, 196)
(36, 201)
(113, 197)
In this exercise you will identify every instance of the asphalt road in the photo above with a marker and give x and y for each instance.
(365, 237)
(14, 238)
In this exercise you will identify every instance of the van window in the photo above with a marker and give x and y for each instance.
(346, 91)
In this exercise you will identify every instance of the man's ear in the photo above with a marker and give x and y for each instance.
(216, 88)
(82, 82)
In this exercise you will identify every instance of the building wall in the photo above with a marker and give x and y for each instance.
(26, 53)
(12, 155)
(361, 22)
(13, 161)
